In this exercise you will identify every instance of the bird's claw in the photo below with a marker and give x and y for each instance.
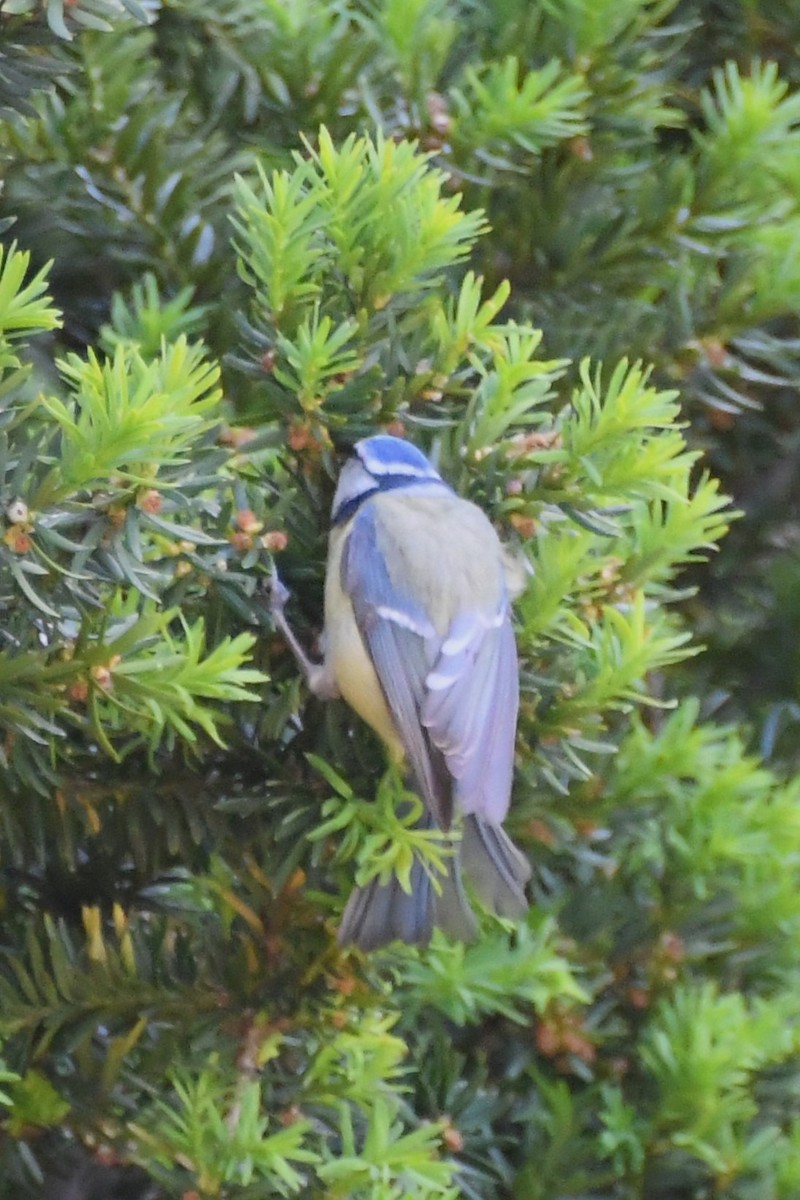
(278, 595)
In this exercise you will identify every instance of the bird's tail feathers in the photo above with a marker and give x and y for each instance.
(497, 870)
(452, 910)
(378, 913)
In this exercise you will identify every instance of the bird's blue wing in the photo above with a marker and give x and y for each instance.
(403, 645)
(470, 709)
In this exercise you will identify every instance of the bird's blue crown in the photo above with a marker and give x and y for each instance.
(380, 464)
(384, 456)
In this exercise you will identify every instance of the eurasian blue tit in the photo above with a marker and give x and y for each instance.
(418, 640)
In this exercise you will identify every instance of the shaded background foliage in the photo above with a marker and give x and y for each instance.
(170, 977)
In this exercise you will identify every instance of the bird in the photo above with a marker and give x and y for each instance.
(418, 640)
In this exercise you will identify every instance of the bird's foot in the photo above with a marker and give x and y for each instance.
(317, 675)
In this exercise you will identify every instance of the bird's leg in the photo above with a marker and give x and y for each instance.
(318, 676)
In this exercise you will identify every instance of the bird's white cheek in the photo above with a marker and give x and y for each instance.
(351, 666)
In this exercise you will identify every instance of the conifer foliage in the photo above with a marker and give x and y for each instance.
(555, 244)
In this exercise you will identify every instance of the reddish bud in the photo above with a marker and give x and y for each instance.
(581, 147)
(102, 677)
(438, 112)
(235, 435)
(715, 351)
(247, 521)
(79, 691)
(300, 438)
(291, 1115)
(672, 946)
(540, 832)
(528, 442)
(274, 541)
(547, 1039)
(116, 514)
(453, 1139)
(639, 997)
(719, 419)
(150, 501)
(525, 526)
(17, 540)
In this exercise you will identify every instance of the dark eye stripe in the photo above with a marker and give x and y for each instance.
(386, 483)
